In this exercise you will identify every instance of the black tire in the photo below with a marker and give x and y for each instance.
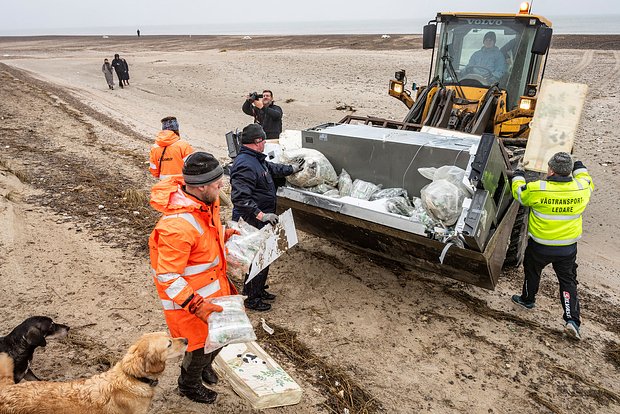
(518, 239)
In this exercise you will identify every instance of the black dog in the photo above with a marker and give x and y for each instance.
(25, 338)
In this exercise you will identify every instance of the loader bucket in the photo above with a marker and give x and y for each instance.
(392, 158)
(477, 268)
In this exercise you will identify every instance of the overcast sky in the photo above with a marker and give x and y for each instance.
(38, 15)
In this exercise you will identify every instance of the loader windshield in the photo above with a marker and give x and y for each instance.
(481, 52)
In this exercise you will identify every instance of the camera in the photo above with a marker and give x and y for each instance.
(255, 96)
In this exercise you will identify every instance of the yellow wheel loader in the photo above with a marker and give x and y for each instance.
(483, 91)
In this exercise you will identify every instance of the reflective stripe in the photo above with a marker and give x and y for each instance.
(187, 217)
(579, 184)
(543, 185)
(153, 166)
(205, 291)
(210, 289)
(579, 171)
(554, 242)
(167, 277)
(555, 217)
(195, 269)
(518, 178)
(170, 305)
(519, 194)
(176, 287)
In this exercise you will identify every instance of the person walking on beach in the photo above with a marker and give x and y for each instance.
(120, 66)
(254, 199)
(107, 72)
(265, 112)
(138, 31)
(125, 72)
(169, 152)
(554, 226)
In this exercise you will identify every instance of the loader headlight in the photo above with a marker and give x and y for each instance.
(526, 104)
(396, 87)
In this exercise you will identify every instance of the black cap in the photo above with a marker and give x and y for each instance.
(201, 168)
(251, 133)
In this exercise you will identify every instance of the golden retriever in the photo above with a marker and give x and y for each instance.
(127, 388)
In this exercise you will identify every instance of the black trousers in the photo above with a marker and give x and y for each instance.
(565, 269)
(254, 289)
(192, 366)
(118, 75)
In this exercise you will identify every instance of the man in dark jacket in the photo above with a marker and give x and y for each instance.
(122, 69)
(265, 113)
(254, 199)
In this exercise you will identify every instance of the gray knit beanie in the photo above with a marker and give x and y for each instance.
(561, 163)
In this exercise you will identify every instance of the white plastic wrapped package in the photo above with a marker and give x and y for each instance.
(390, 193)
(231, 326)
(399, 205)
(345, 184)
(363, 189)
(332, 193)
(443, 200)
(241, 249)
(321, 188)
(317, 169)
(450, 173)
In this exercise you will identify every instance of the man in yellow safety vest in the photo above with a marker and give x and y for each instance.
(554, 226)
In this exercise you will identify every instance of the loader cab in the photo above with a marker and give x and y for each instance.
(466, 56)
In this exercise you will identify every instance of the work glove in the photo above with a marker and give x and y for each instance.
(298, 165)
(228, 233)
(577, 165)
(268, 218)
(197, 306)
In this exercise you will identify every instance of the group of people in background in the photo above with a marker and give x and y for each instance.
(120, 66)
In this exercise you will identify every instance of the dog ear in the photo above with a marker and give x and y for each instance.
(34, 337)
(154, 362)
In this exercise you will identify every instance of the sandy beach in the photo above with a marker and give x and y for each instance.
(393, 339)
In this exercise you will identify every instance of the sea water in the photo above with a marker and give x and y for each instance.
(602, 24)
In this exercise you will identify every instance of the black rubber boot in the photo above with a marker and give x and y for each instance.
(267, 296)
(190, 381)
(208, 374)
(257, 305)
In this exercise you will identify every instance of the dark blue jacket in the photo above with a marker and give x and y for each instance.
(253, 187)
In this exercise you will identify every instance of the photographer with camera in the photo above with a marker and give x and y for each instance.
(265, 112)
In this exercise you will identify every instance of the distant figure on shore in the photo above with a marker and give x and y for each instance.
(138, 31)
(122, 70)
(119, 68)
(107, 72)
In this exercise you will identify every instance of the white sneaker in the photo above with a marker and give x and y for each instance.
(572, 330)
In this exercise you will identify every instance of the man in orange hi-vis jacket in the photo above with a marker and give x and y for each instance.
(189, 265)
(169, 150)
